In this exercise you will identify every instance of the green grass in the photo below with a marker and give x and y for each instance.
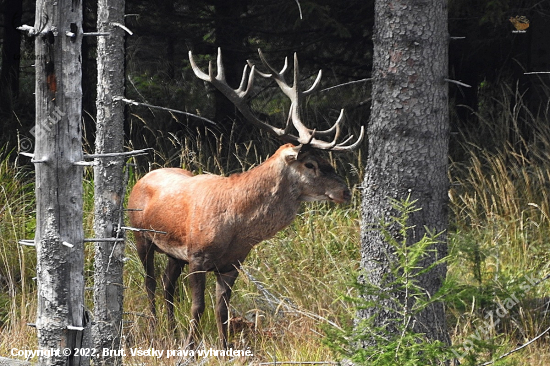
(501, 225)
(17, 262)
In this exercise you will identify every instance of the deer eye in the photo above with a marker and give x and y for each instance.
(309, 166)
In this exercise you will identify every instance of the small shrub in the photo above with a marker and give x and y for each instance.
(397, 342)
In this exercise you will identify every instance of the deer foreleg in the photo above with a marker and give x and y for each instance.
(224, 283)
(197, 282)
(146, 252)
(171, 275)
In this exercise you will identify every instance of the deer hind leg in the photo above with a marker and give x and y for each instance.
(197, 282)
(224, 283)
(146, 252)
(171, 275)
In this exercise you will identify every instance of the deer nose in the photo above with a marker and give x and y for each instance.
(346, 195)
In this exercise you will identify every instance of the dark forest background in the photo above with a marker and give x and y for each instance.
(328, 35)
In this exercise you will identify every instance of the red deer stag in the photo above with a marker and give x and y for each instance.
(211, 222)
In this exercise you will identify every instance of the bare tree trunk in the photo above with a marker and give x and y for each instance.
(408, 140)
(109, 184)
(59, 234)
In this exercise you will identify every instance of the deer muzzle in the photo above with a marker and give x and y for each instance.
(343, 197)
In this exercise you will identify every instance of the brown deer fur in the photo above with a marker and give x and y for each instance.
(212, 222)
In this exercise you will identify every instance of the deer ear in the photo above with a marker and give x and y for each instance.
(291, 154)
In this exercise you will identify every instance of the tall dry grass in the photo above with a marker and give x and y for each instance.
(501, 225)
(17, 262)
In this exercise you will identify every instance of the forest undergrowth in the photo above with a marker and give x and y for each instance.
(294, 285)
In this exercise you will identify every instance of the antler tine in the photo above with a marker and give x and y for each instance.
(219, 64)
(198, 72)
(315, 85)
(264, 75)
(296, 85)
(246, 86)
(343, 147)
(279, 77)
(274, 73)
(307, 136)
(333, 145)
(304, 133)
(324, 145)
(293, 93)
(310, 138)
(238, 96)
(335, 126)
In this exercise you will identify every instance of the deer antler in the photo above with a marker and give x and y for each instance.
(238, 97)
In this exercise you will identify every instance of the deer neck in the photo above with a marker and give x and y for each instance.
(268, 192)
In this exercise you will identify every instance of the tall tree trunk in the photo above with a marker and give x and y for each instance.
(109, 183)
(59, 234)
(408, 140)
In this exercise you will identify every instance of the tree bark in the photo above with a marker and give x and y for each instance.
(61, 318)
(109, 183)
(408, 141)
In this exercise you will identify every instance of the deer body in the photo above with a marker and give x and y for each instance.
(212, 222)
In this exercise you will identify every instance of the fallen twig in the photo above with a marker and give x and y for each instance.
(285, 304)
(133, 102)
(516, 349)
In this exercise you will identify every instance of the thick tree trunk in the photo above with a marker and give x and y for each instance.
(109, 183)
(408, 139)
(59, 234)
